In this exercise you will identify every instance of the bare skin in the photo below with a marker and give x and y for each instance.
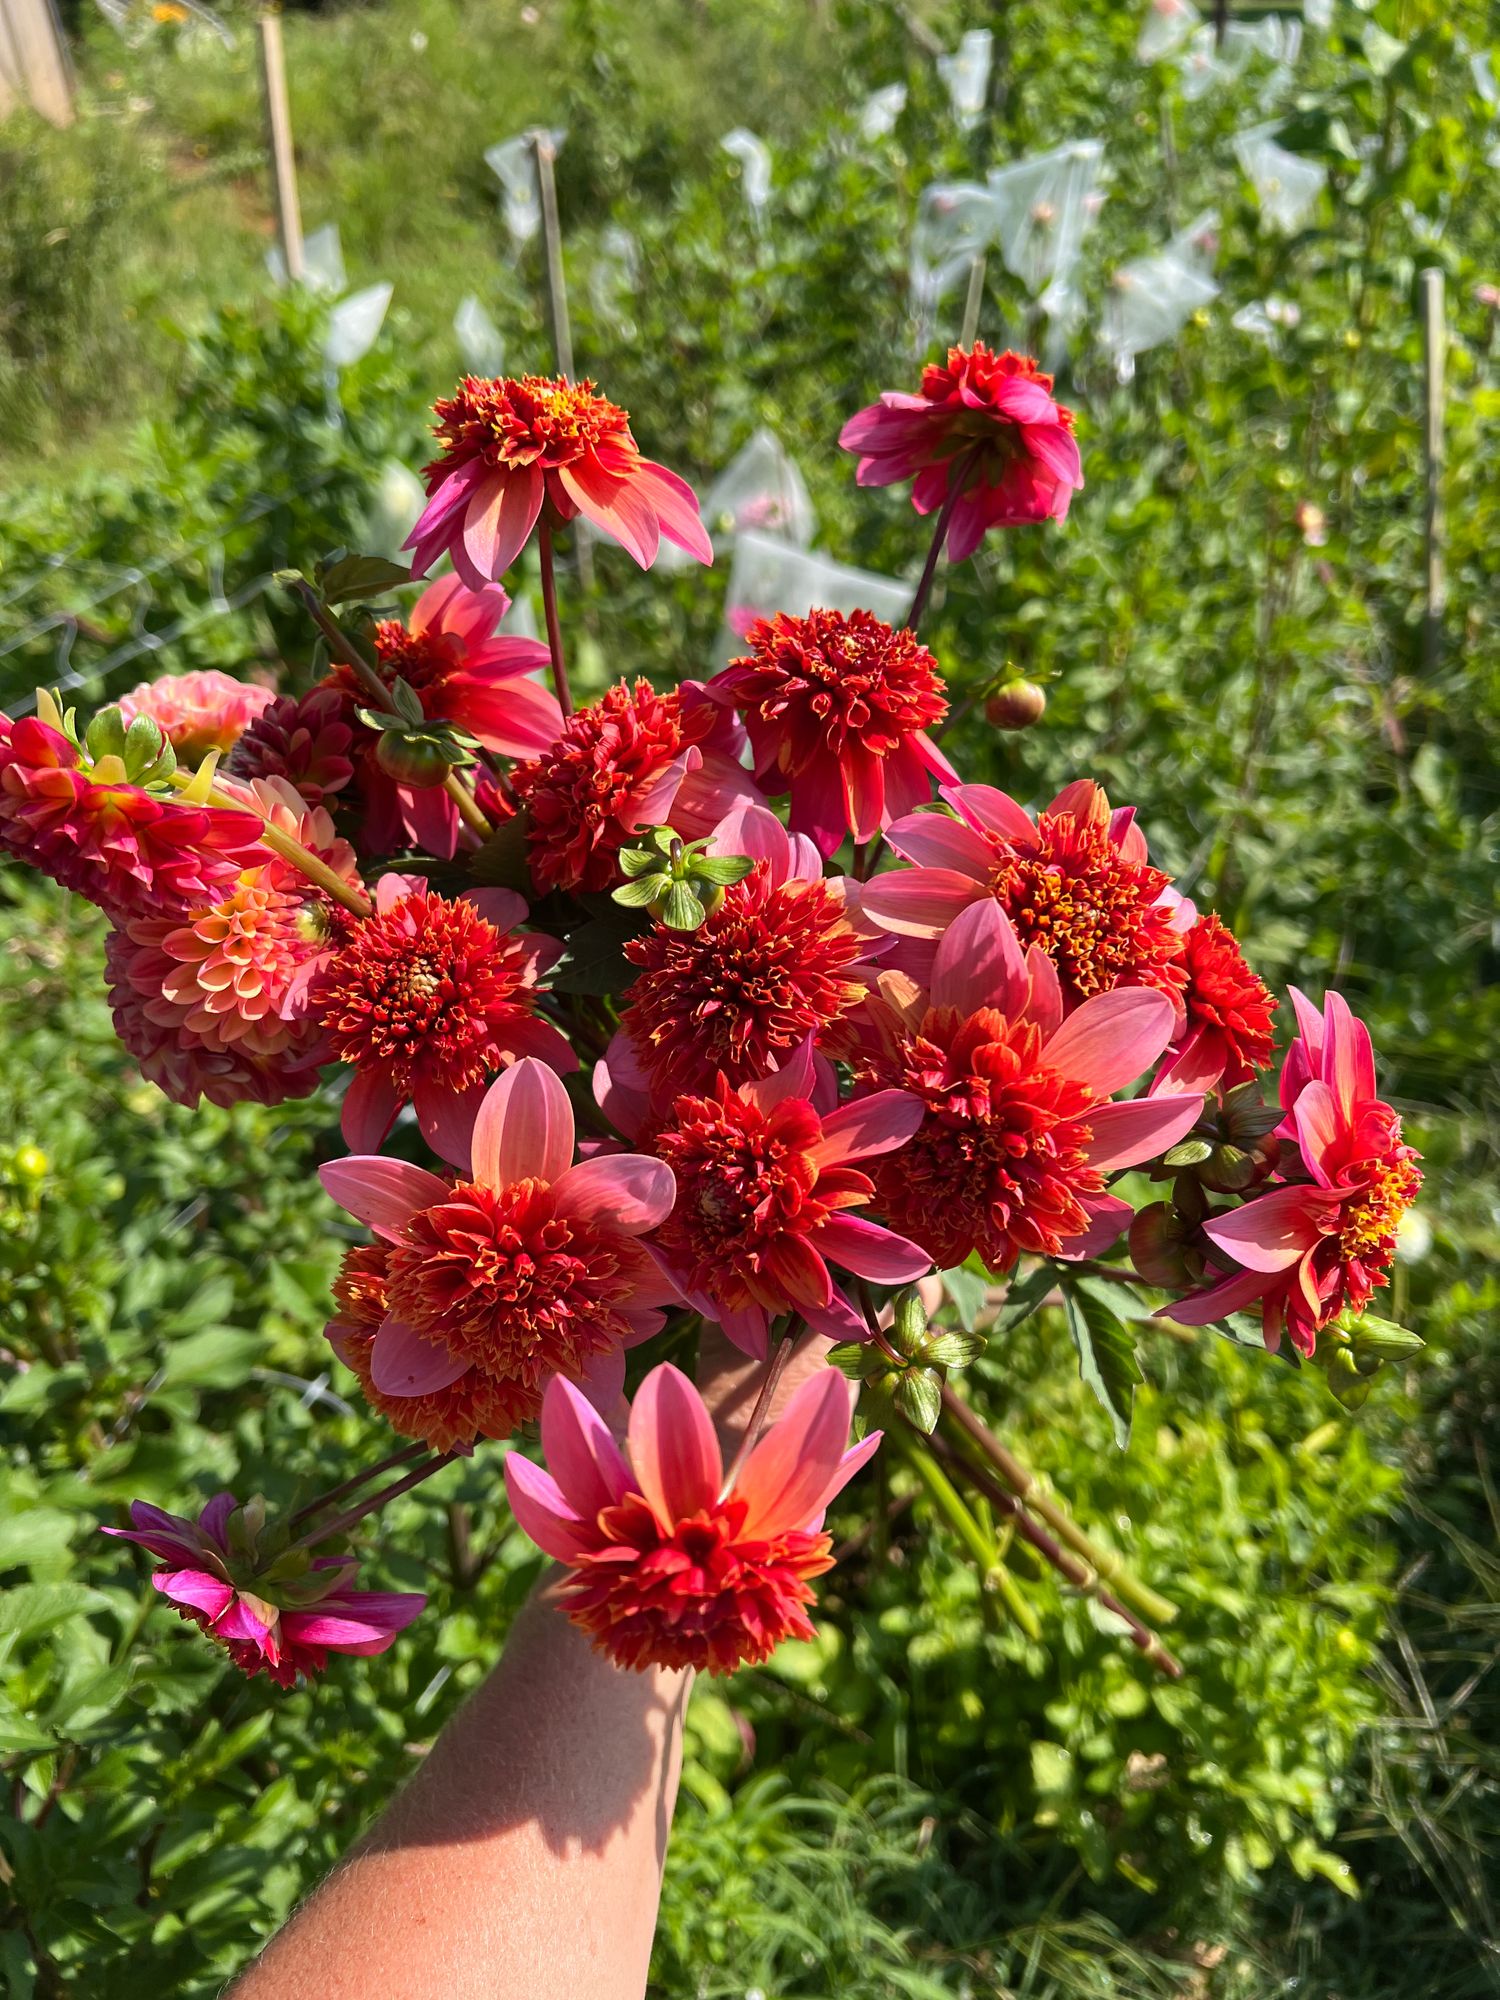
(525, 1858)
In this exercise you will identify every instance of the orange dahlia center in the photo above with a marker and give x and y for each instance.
(531, 420)
(234, 961)
(1368, 1222)
(421, 659)
(1092, 912)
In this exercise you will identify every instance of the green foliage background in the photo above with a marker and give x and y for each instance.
(925, 1802)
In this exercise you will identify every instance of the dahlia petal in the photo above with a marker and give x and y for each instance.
(1126, 836)
(878, 1123)
(532, 1036)
(499, 519)
(980, 962)
(504, 908)
(1230, 1295)
(365, 1621)
(449, 606)
(384, 1193)
(1141, 1128)
(757, 833)
(1195, 1066)
(673, 1450)
(871, 1251)
(1349, 1057)
(818, 809)
(967, 527)
(589, 1467)
(542, 1513)
(909, 771)
(369, 1110)
(1044, 1003)
(629, 1190)
(524, 1130)
(863, 776)
(447, 1119)
(787, 1477)
(603, 1380)
(1109, 1218)
(748, 1327)
(652, 805)
(795, 1078)
(1270, 1233)
(430, 819)
(621, 1089)
(617, 507)
(402, 1363)
(195, 1588)
(798, 1270)
(519, 719)
(1309, 1024)
(1319, 1128)
(1112, 1038)
(996, 811)
(918, 902)
(933, 840)
(676, 506)
(1084, 800)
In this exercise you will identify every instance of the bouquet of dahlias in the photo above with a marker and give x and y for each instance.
(727, 1002)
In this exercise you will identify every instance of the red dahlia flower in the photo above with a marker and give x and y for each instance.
(1018, 1131)
(198, 712)
(276, 1627)
(427, 999)
(669, 1565)
(1227, 1033)
(634, 758)
(507, 449)
(531, 1267)
(307, 739)
(765, 1183)
(838, 705)
(1076, 882)
(134, 851)
(984, 426)
(1310, 1249)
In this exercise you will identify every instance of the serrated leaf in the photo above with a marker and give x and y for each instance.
(595, 960)
(682, 911)
(967, 1291)
(1106, 1357)
(1023, 1299)
(354, 578)
(918, 1395)
(501, 862)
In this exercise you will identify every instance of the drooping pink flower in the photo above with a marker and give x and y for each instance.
(766, 1182)
(1076, 882)
(509, 448)
(1227, 1034)
(532, 1266)
(198, 712)
(838, 706)
(1310, 1249)
(132, 850)
(985, 425)
(632, 759)
(427, 999)
(667, 1564)
(1019, 1130)
(216, 1578)
(307, 739)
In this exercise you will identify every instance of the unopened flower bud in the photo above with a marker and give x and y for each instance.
(412, 759)
(1017, 705)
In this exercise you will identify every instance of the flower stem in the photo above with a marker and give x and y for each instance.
(775, 1368)
(1027, 1489)
(945, 1496)
(342, 1523)
(358, 1479)
(554, 630)
(957, 474)
(301, 858)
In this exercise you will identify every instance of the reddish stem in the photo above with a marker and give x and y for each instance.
(554, 630)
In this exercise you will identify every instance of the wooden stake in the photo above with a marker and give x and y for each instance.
(557, 290)
(34, 65)
(974, 300)
(1434, 346)
(279, 139)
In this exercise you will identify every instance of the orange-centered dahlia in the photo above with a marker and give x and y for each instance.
(1229, 1008)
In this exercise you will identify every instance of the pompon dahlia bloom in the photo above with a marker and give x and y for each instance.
(132, 850)
(1076, 882)
(509, 448)
(530, 1267)
(634, 758)
(279, 1618)
(213, 1001)
(776, 961)
(1310, 1249)
(838, 706)
(198, 712)
(669, 1566)
(985, 427)
(1018, 1130)
(307, 739)
(766, 1179)
(1227, 1033)
(427, 999)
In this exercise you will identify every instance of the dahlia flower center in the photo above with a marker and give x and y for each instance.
(534, 420)
(1087, 909)
(421, 659)
(1368, 1223)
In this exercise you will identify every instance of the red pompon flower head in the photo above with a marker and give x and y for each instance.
(531, 1266)
(307, 739)
(198, 712)
(273, 1607)
(1227, 1033)
(766, 1180)
(669, 1565)
(212, 1001)
(838, 706)
(777, 960)
(1316, 1247)
(508, 449)
(1076, 882)
(427, 999)
(632, 759)
(102, 816)
(1018, 1131)
(984, 430)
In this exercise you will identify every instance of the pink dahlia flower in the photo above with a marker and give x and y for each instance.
(530, 1267)
(838, 706)
(198, 712)
(984, 429)
(668, 1564)
(1018, 1131)
(767, 1180)
(133, 851)
(1309, 1250)
(279, 1628)
(509, 448)
(427, 999)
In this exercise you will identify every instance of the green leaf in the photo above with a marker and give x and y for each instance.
(967, 1291)
(501, 862)
(356, 577)
(406, 702)
(215, 1358)
(953, 1350)
(853, 1358)
(595, 961)
(640, 894)
(38, 1607)
(682, 911)
(637, 861)
(919, 1397)
(1023, 1299)
(1106, 1357)
(721, 869)
(1188, 1153)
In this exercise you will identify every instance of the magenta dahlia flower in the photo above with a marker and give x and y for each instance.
(668, 1563)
